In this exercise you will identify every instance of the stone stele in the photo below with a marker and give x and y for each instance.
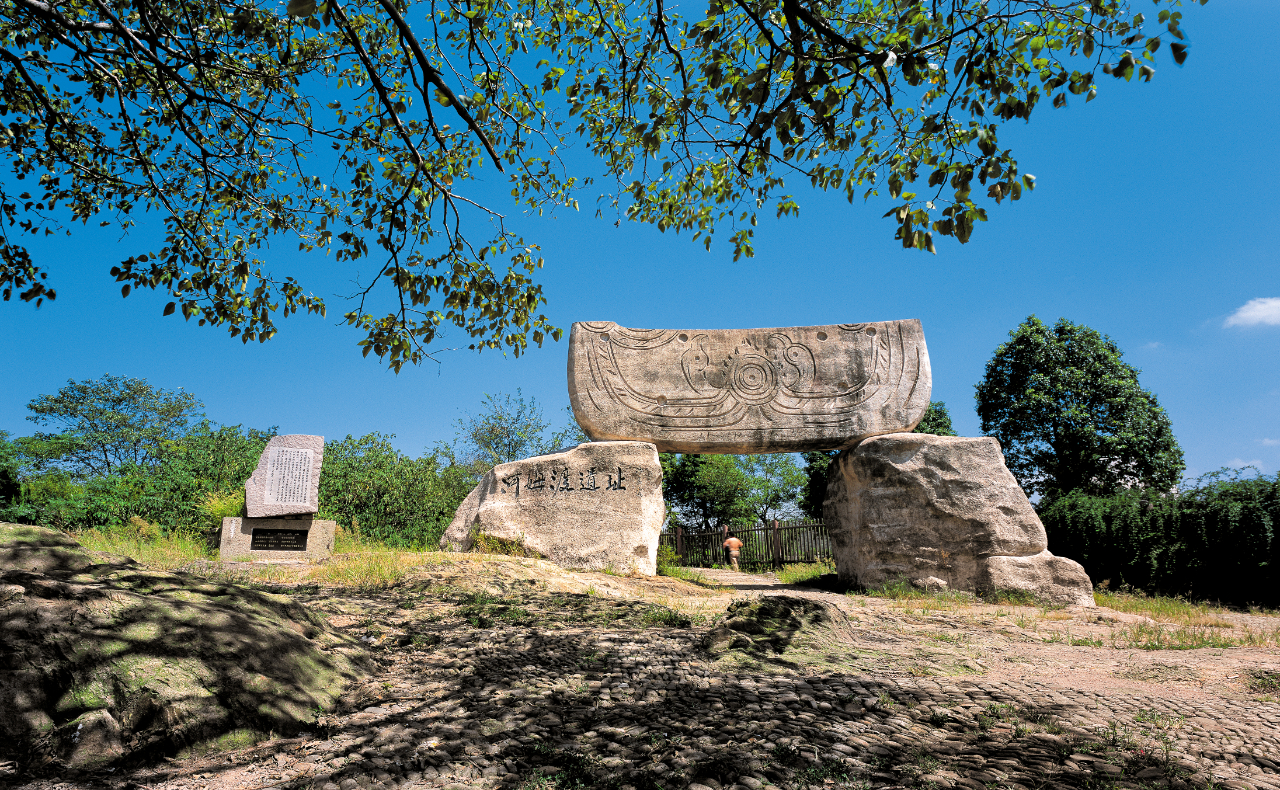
(595, 507)
(287, 480)
(941, 512)
(276, 539)
(748, 390)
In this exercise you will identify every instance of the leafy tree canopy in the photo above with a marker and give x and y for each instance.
(707, 491)
(360, 127)
(108, 423)
(816, 465)
(936, 420)
(774, 483)
(508, 428)
(1070, 415)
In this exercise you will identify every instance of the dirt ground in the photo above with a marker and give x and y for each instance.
(502, 672)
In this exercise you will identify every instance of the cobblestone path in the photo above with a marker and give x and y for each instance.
(525, 706)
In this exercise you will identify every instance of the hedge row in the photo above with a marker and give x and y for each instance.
(1215, 540)
(366, 485)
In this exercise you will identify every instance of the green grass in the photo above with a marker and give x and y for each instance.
(1164, 609)
(800, 572)
(1148, 636)
(154, 550)
(690, 575)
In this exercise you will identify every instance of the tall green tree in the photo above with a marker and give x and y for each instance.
(109, 423)
(508, 428)
(817, 463)
(10, 486)
(1070, 414)
(936, 420)
(362, 127)
(708, 492)
(774, 483)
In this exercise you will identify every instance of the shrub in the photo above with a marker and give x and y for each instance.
(1213, 540)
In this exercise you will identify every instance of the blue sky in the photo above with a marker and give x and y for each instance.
(1153, 221)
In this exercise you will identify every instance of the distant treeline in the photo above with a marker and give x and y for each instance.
(1213, 540)
(366, 485)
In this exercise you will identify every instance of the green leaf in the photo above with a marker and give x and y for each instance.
(169, 308)
(1179, 52)
(301, 8)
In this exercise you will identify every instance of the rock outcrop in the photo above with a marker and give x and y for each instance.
(942, 512)
(784, 389)
(103, 661)
(595, 507)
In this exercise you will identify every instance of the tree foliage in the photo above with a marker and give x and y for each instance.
(362, 128)
(509, 428)
(774, 483)
(936, 420)
(708, 492)
(108, 424)
(817, 463)
(381, 493)
(711, 492)
(1070, 415)
(1216, 539)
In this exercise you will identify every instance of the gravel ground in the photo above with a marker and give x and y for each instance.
(605, 698)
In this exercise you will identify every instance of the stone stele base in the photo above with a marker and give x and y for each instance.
(276, 539)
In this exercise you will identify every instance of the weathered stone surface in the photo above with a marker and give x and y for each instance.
(102, 660)
(748, 390)
(1054, 578)
(287, 480)
(941, 510)
(598, 506)
(253, 539)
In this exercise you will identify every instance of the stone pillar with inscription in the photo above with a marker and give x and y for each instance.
(281, 498)
(595, 507)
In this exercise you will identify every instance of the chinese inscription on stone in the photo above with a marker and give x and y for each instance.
(562, 479)
(288, 476)
(278, 540)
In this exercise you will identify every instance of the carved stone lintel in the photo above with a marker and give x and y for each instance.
(748, 390)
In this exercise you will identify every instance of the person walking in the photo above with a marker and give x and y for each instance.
(733, 547)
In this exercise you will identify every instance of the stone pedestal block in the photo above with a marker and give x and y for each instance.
(942, 512)
(596, 507)
(784, 389)
(258, 539)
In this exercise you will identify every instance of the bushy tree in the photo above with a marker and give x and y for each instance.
(368, 485)
(1070, 414)
(10, 487)
(360, 127)
(708, 492)
(109, 423)
(509, 428)
(774, 483)
(817, 463)
(936, 420)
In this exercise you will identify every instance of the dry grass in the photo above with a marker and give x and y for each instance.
(798, 572)
(1165, 610)
(157, 551)
(1153, 636)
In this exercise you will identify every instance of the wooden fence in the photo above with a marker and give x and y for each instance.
(782, 542)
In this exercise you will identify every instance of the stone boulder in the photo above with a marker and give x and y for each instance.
(103, 661)
(782, 389)
(942, 512)
(597, 506)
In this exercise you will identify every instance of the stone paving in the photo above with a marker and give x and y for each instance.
(528, 707)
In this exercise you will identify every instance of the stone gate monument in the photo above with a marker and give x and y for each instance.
(748, 390)
(281, 497)
(938, 511)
